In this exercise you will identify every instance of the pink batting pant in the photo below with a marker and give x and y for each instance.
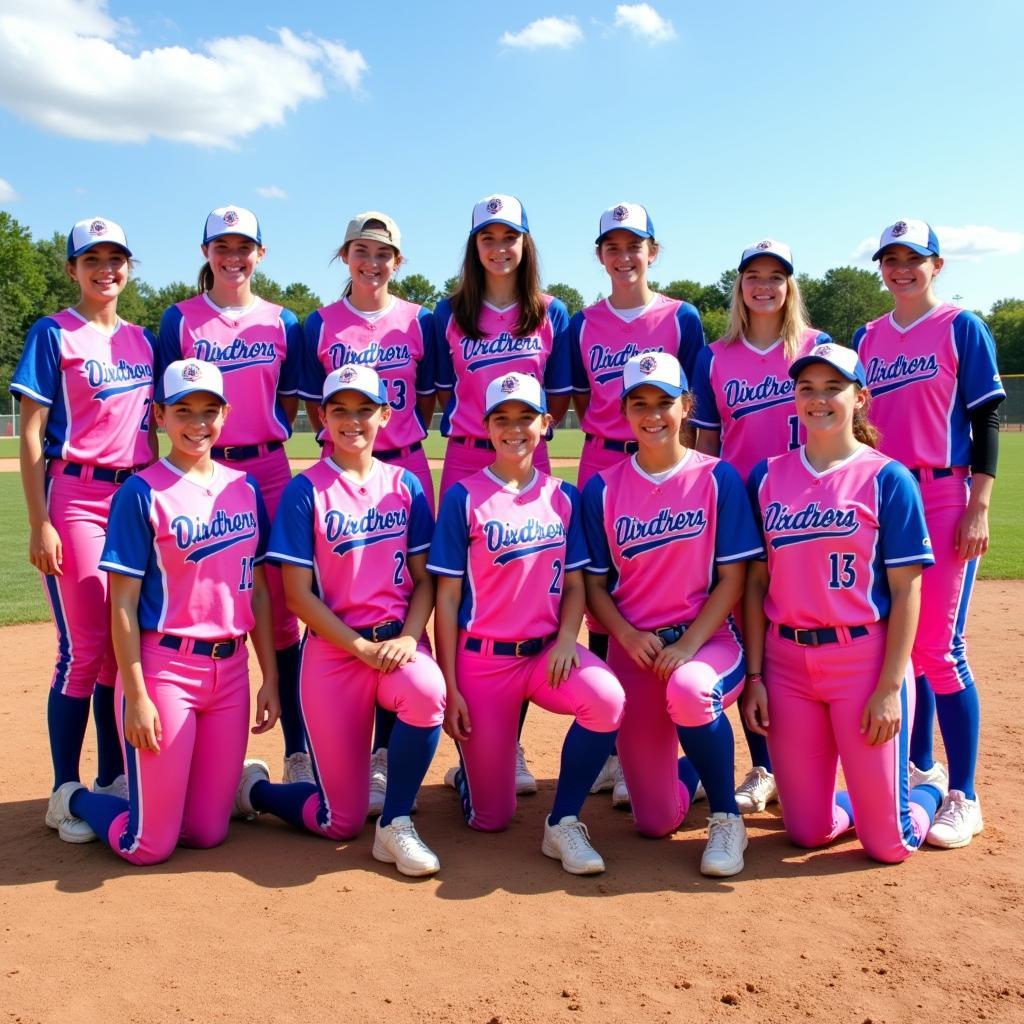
(185, 793)
(337, 696)
(816, 696)
(494, 688)
(79, 508)
(462, 460)
(694, 694)
(594, 459)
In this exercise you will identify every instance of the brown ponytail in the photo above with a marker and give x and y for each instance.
(205, 280)
(863, 429)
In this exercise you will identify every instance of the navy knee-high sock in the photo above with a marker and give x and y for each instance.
(285, 800)
(110, 759)
(410, 752)
(688, 775)
(383, 725)
(758, 747)
(928, 797)
(66, 720)
(960, 724)
(98, 809)
(711, 749)
(583, 754)
(288, 688)
(924, 724)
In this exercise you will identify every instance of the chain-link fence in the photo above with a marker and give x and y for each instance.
(1011, 412)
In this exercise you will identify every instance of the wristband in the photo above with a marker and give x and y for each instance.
(754, 677)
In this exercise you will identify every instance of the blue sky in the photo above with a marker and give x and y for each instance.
(814, 123)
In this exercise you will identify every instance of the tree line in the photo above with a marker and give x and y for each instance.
(33, 283)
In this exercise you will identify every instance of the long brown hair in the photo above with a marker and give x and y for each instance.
(205, 280)
(863, 429)
(468, 298)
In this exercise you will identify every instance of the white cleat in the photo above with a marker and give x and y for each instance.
(298, 768)
(727, 839)
(378, 781)
(957, 822)
(118, 788)
(935, 777)
(605, 780)
(620, 792)
(569, 842)
(525, 782)
(756, 791)
(252, 772)
(59, 816)
(399, 844)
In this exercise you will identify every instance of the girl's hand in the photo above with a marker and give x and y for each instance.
(268, 708)
(456, 717)
(395, 653)
(562, 658)
(882, 715)
(972, 533)
(755, 706)
(670, 658)
(642, 647)
(368, 652)
(45, 550)
(142, 727)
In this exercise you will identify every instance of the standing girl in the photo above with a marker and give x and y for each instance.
(258, 347)
(670, 533)
(186, 540)
(508, 552)
(932, 372)
(846, 541)
(85, 386)
(745, 406)
(352, 535)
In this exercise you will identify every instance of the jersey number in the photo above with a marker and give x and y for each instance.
(556, 580)
(246, 582)
(144, 425)
(399, 577)
(794, 432)
(842, 575)
(398, 389)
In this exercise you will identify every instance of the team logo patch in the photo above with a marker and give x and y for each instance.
(766, 244)
(648, 364)
(494, 205)
(98, 227)
(899, 228)
(509, 385)
(230, 218)
(191, 372)
(348, 374)
(823, 350)
(620, 213)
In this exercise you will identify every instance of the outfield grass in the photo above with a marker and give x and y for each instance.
(21, 596)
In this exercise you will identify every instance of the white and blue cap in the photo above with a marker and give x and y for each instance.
(515, 387)
(232, 220)
(185, 376)
(659, 369)
(842, 359)
(768, 247)
(95, 231)
(354, 377)
(627, 216)
(914, 234)
(499, 209)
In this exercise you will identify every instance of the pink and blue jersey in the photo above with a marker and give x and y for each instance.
(925, 379)
(465, 366)
(660, 541)
(258, 352)
(747, 394)
(511, 549)
(601, 341)
(98, 389)
(831, 536)
(356, 536)
(398, 344)
(193, 545)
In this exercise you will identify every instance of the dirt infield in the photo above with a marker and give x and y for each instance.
(279, 926)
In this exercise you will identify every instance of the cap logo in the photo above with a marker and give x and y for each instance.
(620, 213)
(191, 372)
(824, 350)
(98, 227)
(231, 218)
(648, 364)
(347, 374)
(766, 244)
(509, 385)
(899, 228)
(494, 205)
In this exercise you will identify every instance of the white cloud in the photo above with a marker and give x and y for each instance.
(562, 33)
(969, 243)
(7, 193)
(644, 22)
(272, 192)
(64, 66)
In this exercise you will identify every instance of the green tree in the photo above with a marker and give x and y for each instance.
(159, 300)
(415, 288)
(301, 300)
(1007, 323)
(61, 290)
(569, 295)
(715, 322)
(22, 291)
(683, 290)
(846, 298)
(450, 285)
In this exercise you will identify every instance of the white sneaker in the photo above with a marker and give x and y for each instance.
(119, 787)
(605, 780)
(756, 791)
(298, 768)
(378, 781)
(59, 816)
(699, 793)
(935, 777)
(525, 782)
(957, 822)
(569, 842)
(252, 772)
(399, 844)
(450, 777)
(620, 793)
(727, 839)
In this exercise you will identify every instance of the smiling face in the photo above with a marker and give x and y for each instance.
(515, 429)
(764, 284)
(353, 421)
(908, 274)
(625, 256)
(101, 272)
(826, 400)
(193, 424)
(233, 259)
(500, 249)
(370, 263)
(655, 417)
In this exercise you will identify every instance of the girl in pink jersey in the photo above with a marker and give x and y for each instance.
(829, 620)
(184, 550)
(508, 553)
(352, 534)
(85, 385)
(258, 347)
(932, 372)
(670, 532)
(744, 408)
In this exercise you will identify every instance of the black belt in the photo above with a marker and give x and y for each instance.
(937, 474)
(609, 445)
(817, 637)
(473, 442)
(510, 648)
(670, 634)
(241, 452)
(382, 632)
(216, 649)
(107, 476)
(398, 453)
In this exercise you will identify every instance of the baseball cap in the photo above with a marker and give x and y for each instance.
(363, 379)
(839, 357)
(95, 231)
(914, 234)
(627, 216)
(388, 234)
(657, 368)
(515, 387)
(499, 209)
(184, 376)
(232, 220)
(768, 247)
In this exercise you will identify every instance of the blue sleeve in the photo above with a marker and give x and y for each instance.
(37, 375)
(978, 376)
(858, 337)
(576, 554)
(449, 552)
(580, 380)
(736, 535)
(262, 519)
(691, 337)
(754, 482)
(705, 411)
(558, 371)
(903, 535)
(129, 542)
(168, 346)
(426, 372)
(421, 520)
(291, 536)
(311, 371)
(823, 338)
(444, 369)
(593, 527)
(288, 380)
